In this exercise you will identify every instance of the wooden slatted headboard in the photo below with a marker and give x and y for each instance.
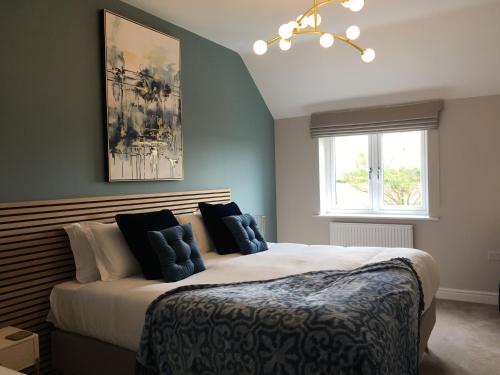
(35, 253)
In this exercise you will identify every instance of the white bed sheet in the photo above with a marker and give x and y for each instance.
(114, 311)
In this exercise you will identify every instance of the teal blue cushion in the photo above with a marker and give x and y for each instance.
(178, 252)
(246, 233)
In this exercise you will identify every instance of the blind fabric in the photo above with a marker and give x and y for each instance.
(403, 117)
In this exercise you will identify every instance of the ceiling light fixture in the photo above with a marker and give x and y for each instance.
(308, 23)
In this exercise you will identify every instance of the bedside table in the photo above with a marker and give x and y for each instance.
(18, 355)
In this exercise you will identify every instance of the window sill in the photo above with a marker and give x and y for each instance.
(378, 217)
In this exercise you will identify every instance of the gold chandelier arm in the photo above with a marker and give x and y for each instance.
(336, 36)
(316, 6)
(275, 39)
(350, 42)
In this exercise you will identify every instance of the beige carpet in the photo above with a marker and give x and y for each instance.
(465, 340)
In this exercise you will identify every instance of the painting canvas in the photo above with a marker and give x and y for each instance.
(143, 96)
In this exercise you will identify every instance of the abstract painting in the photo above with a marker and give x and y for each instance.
(143, 97)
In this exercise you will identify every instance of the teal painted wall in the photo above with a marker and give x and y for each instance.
(52, 110)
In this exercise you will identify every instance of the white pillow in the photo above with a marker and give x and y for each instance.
(86, 267)
(199, 230)
(112, 254)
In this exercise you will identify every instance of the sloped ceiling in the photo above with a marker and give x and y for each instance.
(425, 49)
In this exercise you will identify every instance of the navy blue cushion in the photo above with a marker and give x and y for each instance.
(221, 236)
(246, 233)
(135, 228)
(178, 252)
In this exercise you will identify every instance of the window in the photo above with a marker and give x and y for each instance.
(378, 174)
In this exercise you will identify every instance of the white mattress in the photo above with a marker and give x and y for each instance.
(114, 311)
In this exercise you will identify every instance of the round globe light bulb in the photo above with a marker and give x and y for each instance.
(285, 44)
(260, 47)
(294, 25)
(285, 31)
(356, 5)
(326, 40)
(368, 56)
(353, 32)
(304, 23)
(346, 4)
(312, 21)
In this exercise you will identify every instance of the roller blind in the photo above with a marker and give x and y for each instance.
(402, 117)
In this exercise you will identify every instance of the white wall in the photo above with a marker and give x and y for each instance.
(469, 167)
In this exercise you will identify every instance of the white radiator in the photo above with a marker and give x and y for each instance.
(376, 235)
(261, 221)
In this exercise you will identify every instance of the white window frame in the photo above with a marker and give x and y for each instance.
(328, 183)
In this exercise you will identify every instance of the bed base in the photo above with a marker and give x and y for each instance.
(78, 355)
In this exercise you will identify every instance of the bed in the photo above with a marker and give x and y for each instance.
(99, 324)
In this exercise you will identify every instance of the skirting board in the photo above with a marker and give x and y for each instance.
(475, 296)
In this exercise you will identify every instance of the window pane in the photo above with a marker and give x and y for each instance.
(402, 170)
(351, 172)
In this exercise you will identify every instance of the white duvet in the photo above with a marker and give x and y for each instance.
(114, 311)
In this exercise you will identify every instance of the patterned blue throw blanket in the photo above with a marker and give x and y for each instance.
(363, 321)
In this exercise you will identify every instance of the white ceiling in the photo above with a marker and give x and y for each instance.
(425, 49)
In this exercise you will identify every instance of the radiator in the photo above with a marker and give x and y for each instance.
(261, 221)
(377, 235)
